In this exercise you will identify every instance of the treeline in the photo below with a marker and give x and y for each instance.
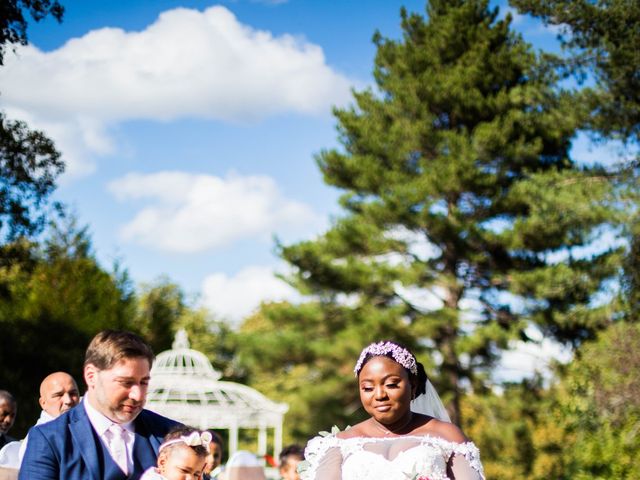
(467, 222)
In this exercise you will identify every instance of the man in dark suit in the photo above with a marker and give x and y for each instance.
(8, 410)
(109, 436)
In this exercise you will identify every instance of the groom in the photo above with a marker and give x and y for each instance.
(109, 436)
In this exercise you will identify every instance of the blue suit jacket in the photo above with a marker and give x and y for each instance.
(68, 448)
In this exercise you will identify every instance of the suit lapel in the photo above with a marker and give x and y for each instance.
(145, 446)
(84, 439)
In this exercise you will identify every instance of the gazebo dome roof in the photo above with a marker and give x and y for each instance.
(182, 360)
(184, 386)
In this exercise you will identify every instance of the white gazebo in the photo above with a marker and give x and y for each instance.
(184, 386)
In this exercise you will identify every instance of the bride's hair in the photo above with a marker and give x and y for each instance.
(399, 354)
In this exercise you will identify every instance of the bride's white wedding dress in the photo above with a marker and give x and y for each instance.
(397, 458)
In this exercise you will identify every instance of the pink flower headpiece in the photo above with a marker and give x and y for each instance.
(194, 439)
(399, 354)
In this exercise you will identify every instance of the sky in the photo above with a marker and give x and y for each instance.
(189, 129)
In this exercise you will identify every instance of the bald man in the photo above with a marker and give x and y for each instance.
(58, 393)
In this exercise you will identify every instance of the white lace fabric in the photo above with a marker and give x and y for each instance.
(398, 458)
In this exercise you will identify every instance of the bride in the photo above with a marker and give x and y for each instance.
(407, 437)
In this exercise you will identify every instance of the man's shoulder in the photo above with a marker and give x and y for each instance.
(157, 422)
(59, 423)
(151, 415)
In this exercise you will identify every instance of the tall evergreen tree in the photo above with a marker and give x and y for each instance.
(602, 41)
(457, 183)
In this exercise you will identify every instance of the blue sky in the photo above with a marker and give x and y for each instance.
(189, 128)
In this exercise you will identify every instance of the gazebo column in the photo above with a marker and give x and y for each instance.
(262, 440)
(233, 438)
(277, 440)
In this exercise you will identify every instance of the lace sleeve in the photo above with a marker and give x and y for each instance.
(466, 463)
(323, 459)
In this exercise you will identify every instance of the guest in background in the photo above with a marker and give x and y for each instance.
(243, 465)
(58, 393)
(214, 467)
(289, 459)
(8, 410)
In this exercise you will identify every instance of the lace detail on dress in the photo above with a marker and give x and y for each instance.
(316, 448)
(398, 458)
(472, 454)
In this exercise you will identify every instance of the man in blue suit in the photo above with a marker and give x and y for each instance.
(109, 436)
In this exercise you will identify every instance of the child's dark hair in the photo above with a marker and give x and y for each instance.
(216, 438)
(170, 441)
(291, 451)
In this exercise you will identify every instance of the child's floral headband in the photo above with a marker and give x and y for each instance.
(399, 354)
(194, 439)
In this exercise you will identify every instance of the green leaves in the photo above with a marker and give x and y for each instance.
(466, 220)
(600, 40)
(29, 165)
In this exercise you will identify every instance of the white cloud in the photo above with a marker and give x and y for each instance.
(187, 64)
(191, 213)
(236, 297)
(526, 358)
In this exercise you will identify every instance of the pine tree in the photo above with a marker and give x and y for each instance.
(601, 40)
(600, 43)
(458, 184)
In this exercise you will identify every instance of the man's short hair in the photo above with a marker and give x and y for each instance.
(110, 346)
(7, 397)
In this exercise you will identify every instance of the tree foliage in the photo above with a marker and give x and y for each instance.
(584, 425)
(160, 305)
(29, 161)
(458, 185)
(601, 38)
(296, 354)
(602, 404)
(162, 309)
(29, 165)
(503, 427)
(13, 24)
(53, 298)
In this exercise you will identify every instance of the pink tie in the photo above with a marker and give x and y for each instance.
(118, 446)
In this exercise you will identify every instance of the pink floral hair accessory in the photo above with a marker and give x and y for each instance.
(398, 353)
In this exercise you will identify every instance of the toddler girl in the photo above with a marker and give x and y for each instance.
(181, 456)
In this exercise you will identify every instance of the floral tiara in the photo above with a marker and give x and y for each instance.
(399, 354)
(194, 439)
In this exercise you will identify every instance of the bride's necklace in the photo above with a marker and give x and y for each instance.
(388, 431)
